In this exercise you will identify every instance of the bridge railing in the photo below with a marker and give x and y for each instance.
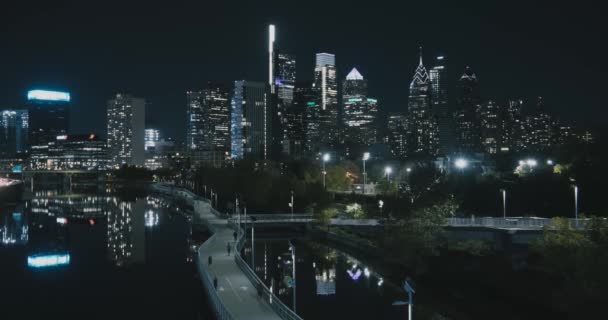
(275, 303)
(513, 222)
(220, 310)
(272, 218)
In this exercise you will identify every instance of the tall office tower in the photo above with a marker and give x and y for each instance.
(126, 129)
(271, 58)
(512, 126)
(195, 133)
(539, 132)
(326, 89)
(397, 134)
(490, 127)
(285, 78)
(297, 120)
(151, 138)
(250, 124)
(360, 111)
(423, 136)
(13, 132)
(216, 107)
(439, 98)
(208, 133)
(285, 81)
(467, 119)
(49, 117)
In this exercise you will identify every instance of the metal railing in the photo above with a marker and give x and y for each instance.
(275, 303)
(513, 222)
(273, 218)
(220, 310)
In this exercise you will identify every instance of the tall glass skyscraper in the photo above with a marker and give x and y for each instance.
(326, 91)
(126, 130)
(360, 111)
(195, 133)
(439, 99)
(422, 126)
(49, 117)
(250, 124)
(468, 127)
(14, 126)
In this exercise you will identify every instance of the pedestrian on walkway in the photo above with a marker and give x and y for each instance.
(234, 235)
(210, 260)
(228, 248)
(215, 282)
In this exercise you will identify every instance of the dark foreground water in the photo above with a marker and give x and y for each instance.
(97, 256)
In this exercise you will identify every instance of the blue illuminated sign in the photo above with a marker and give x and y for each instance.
(17, 168)
(48, 260)
(47, 95)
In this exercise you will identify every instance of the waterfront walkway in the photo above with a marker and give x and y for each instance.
(236, 292)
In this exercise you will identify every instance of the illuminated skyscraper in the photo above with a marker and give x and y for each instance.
(539, 128)
(360, 111)
(151, 137)
(468, 127)
(195, 133)
(126, 129)
(296, 128)
(422, 125)
(397, 134)
(49, 117)
(326, 91)
(208, 135)
(490, 122)
(13, 132)
(439, 99)
(285, 78)
(250, 125)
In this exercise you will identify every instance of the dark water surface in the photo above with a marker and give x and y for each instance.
(114, 255)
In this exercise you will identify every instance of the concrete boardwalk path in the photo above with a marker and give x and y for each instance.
(235, 290)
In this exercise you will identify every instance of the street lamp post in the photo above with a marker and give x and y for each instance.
(293, 264)
(325, 159)
(291, 204)
(365, 158)
(576, 203)
(504, 202)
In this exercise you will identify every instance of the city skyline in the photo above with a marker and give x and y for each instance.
(511, 78)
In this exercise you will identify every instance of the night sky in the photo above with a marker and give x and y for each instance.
(155, 51)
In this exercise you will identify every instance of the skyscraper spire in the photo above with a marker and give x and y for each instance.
(420, 55)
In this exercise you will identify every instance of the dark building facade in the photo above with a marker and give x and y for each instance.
(438, 77)
(468, 127)
(14, 125)
(49, 117)
(250, 124)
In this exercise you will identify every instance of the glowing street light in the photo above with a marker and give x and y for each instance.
(549, 162)
(531, 162)
(461, 163)
(388, 171)
(365, 158)
(326, 158)
(408, 170)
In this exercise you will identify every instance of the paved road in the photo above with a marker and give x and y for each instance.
(235, 290)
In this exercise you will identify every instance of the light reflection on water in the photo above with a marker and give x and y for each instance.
(127, 251)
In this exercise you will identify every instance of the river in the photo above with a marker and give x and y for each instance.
(117, 254)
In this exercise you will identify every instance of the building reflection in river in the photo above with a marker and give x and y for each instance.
(14, 229)
(126, 231)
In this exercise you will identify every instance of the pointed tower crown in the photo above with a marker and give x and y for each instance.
(354, 75)
(421, 77)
